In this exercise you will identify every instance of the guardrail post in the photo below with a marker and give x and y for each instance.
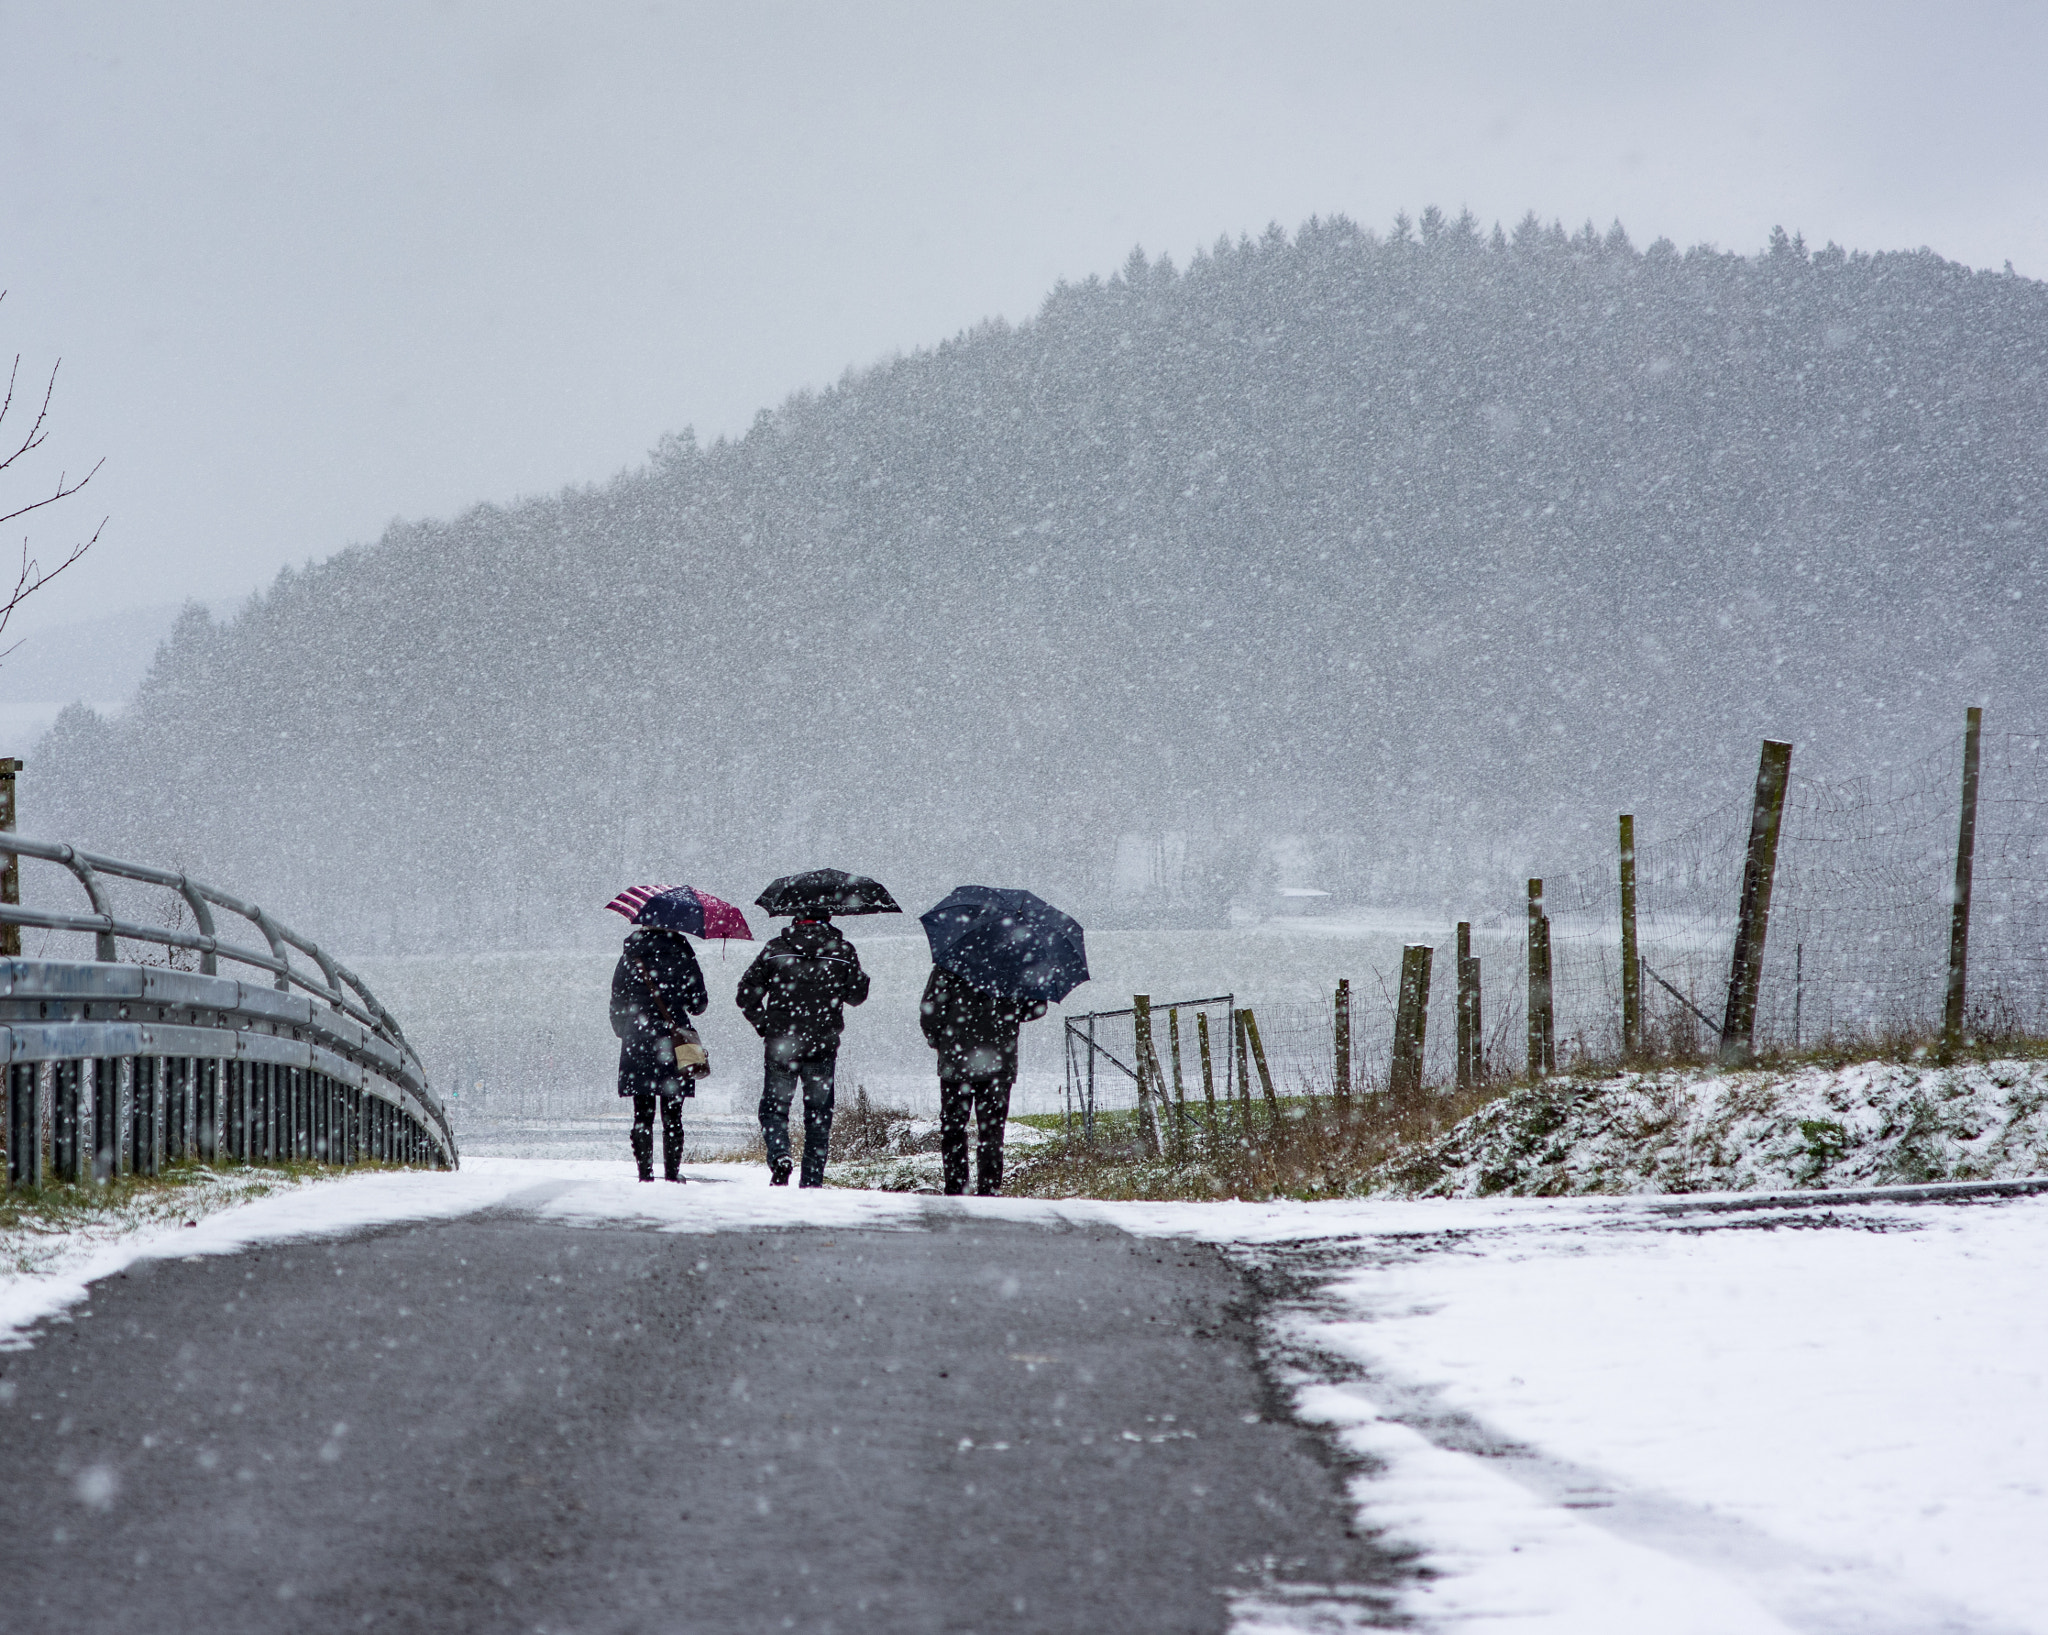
(106, 1119)
(24, 1124)
(140, 1107)
(234, 1111)
(64, 1120)
(10, 862)
(210, 1113)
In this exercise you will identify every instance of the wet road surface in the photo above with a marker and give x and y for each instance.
(498, 1424)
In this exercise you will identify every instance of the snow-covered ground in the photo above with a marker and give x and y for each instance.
(1698, 1130)
(1585, 1415)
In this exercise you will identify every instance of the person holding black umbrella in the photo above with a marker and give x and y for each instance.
(999, 958)
(794, 995)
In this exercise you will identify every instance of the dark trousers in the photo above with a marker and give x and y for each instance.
(780, 1079)
(671, 1135)
(989, 1101)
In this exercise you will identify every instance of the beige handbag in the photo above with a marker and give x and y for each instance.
(690, 1054)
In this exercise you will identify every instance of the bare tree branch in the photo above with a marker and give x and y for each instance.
(32, 577)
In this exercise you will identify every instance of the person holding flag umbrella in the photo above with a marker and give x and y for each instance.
(999, 959)
(794, 995)
(657, 987)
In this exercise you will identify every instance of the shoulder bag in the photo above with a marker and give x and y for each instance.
(690, 1054)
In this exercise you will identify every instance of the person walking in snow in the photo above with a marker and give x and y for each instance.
(975, 1035)
(656, 987)
(793, 995)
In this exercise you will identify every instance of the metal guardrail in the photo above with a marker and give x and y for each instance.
(114, 1066)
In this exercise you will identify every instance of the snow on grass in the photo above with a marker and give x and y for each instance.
(914, 1165)
(1692, 1130)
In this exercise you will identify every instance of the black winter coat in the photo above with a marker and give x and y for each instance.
(797, 984)
(974, 1032)
(647, 1066)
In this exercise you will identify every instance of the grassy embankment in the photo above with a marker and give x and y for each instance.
(1315, 1146)
(34, 1220)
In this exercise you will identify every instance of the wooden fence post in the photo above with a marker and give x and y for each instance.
(1180, 1094)
(1342, 1023)
(1411, 1021)
(1208, 1068)
(1149, 1076)
(1631, 971)
(1959, 912)
(1244, 1067)
(10, 864)
(1470, 1069)
(1542, 1022)
(1258, 1052)
(1746, 967)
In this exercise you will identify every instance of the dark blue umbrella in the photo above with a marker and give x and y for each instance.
(1007, 942)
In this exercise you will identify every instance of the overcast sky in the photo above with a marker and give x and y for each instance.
(310, 268)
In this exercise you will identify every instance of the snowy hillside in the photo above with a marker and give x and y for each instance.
(1511, 531)
(1691, 1130)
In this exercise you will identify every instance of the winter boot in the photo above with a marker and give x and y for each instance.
(643, 1152)
(778, 1173)
(672, 1148)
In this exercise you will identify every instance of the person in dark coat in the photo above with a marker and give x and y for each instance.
(793, 994)
(975, 1034)
(656, 987)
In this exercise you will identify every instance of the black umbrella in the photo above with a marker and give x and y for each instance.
(818, 894)
(1007, 942)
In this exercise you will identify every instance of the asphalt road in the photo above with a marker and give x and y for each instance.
(496, 1424)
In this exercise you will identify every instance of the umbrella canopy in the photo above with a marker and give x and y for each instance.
(819, 894)
(1007, 942)
(682, 908)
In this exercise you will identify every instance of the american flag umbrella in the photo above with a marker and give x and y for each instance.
(682, 908)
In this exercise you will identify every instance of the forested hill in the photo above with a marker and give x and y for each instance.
(1428, 549)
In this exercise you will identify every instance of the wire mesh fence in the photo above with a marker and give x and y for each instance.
(1107, 1073)
(1857, 950)
(1861, 905)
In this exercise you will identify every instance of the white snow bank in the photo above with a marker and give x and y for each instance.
(1872, 1123)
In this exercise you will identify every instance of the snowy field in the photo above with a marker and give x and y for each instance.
(1584, 1415)
(515, 1036)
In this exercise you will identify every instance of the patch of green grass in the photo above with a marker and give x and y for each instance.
(61, 1206)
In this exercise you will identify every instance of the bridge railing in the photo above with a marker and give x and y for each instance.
(115, 1065)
